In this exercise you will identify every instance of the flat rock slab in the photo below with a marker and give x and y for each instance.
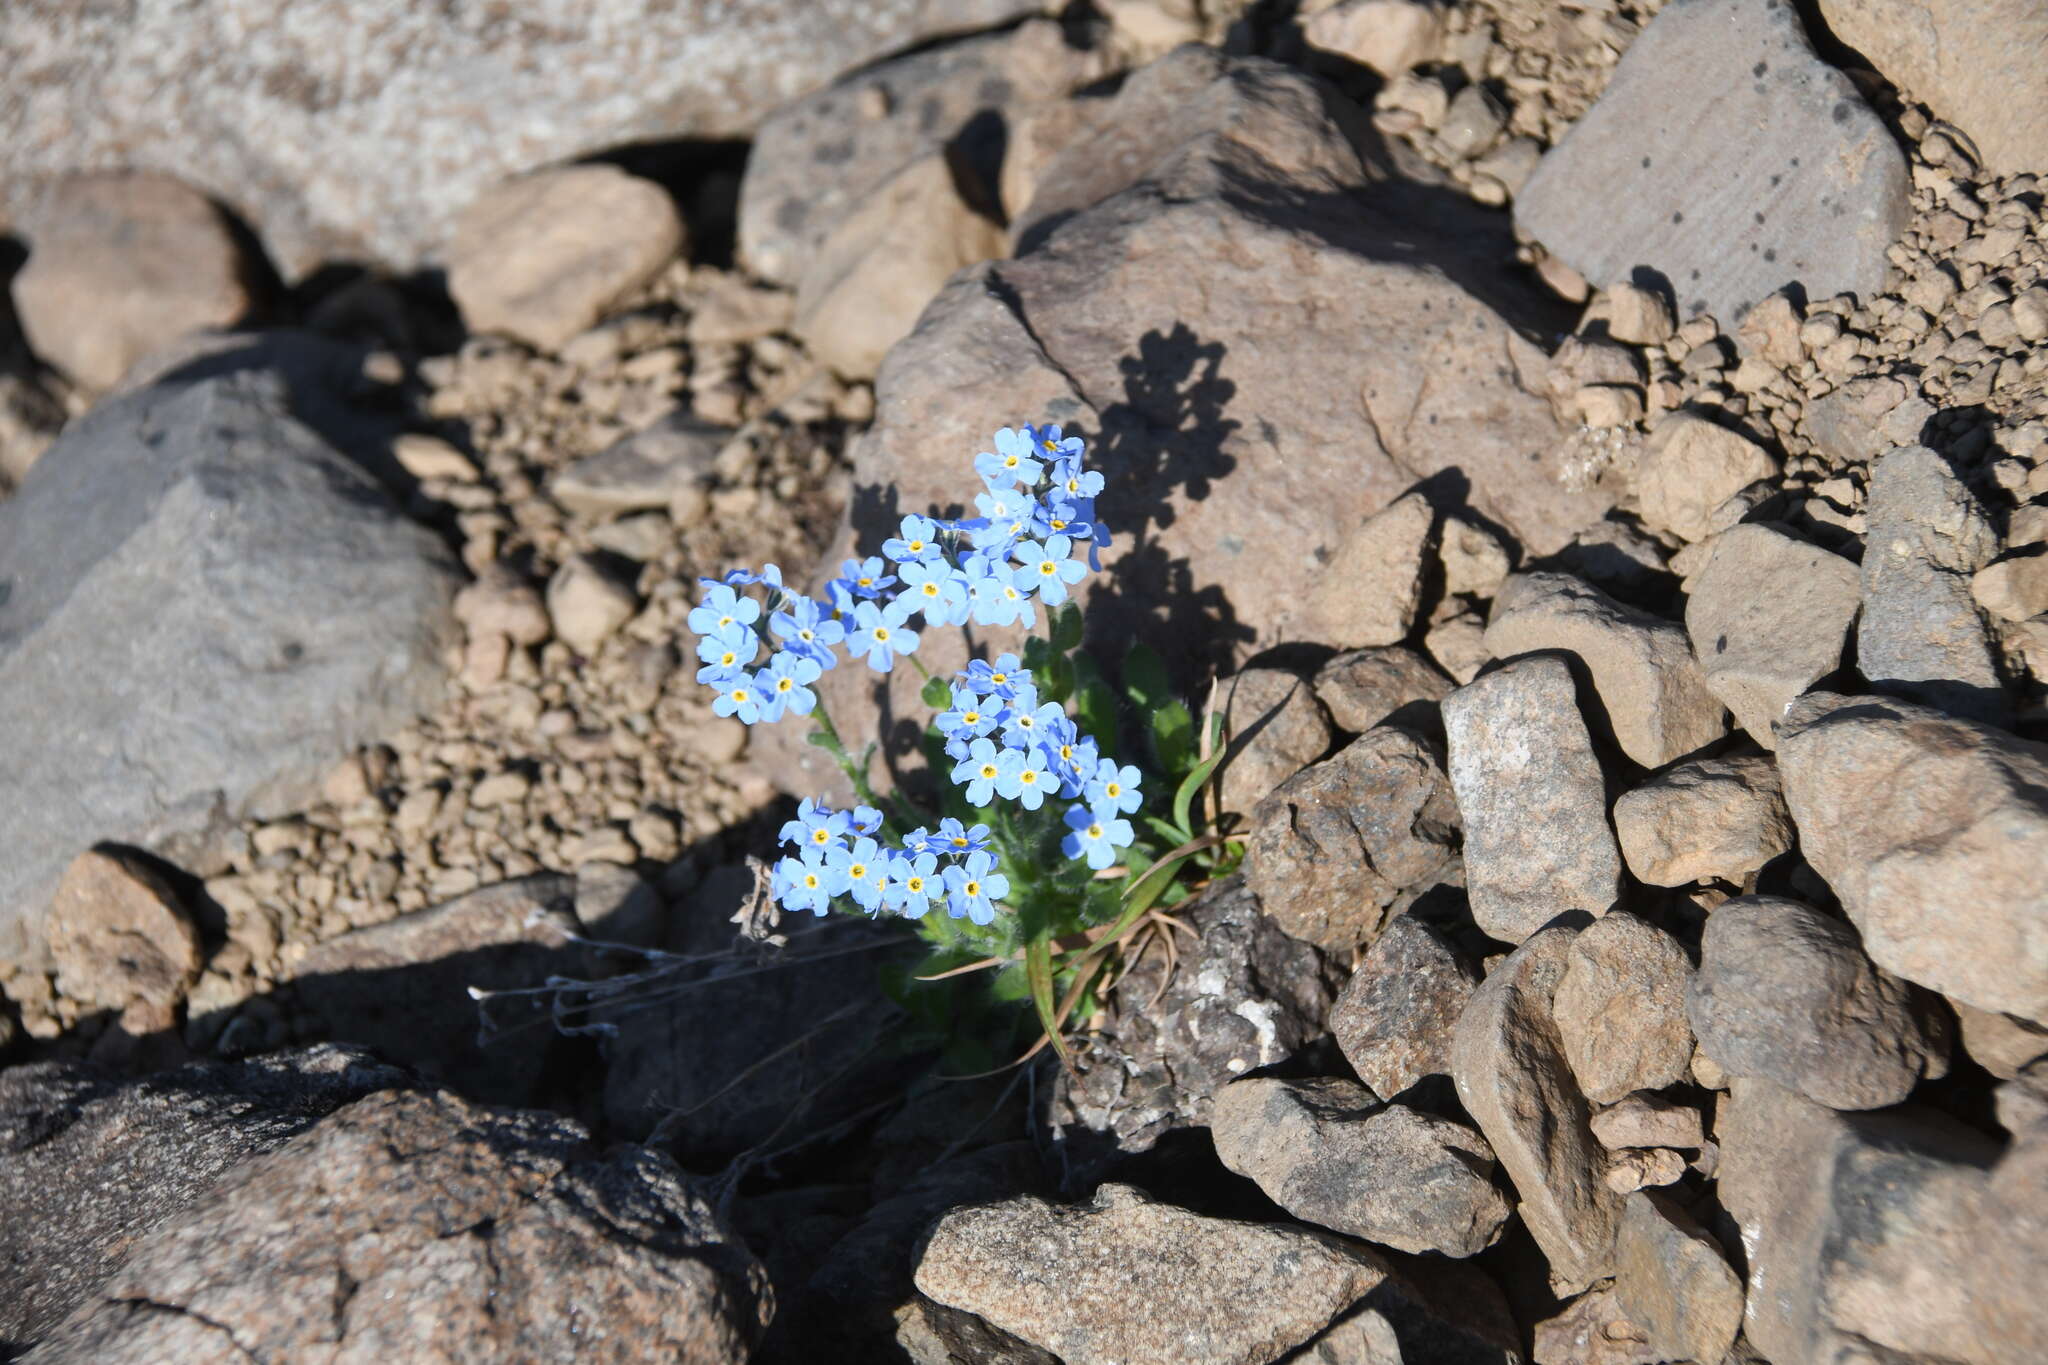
(1922, 636)
(644, 470)
(1807, 183)
(1123, 1278)
(1785, 993)
(1530, 793)
(1934, 833)
(206, 606)
(416, 117)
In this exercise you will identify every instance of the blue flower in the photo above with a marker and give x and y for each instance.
(866, 870)
(727, 654)
(974, 886)
(740, 578)
(1005, 513)
(858, 579)
(919, 840)
(1070, 478)
(866, 819)
(1021, 777)
(979, 772)
(913, 881)
(816, 826)
(880, 634)
(739, 697)
(917, 539)
(785, 685)
(960, 840)
(998, 679)
(1013, 461)
(938, 590)
(1069, 754)
(967, 715)
(1054, 447)
(1049, 567)
(1097, 835)
(1002, 597)
(809, 882)
(806, 631)
(723, 607)
(1115, 789)
(1025, 722)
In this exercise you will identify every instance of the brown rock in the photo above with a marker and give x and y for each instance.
(1768, 617)
(1370, 590)
(644, 470)
(1124, 1278)
(120, 264)
(1641, 668)
(1331, 1154)
(2013, 589)
(1390, 36)
(1338, 842)
(1620, 1008)
(1366, 686)
(1395, 1017)
(1275, 727)
(1713, 819)
(118, 933)
(467, 1234)
(1530, 795)
(586, 604)
(1672, 1279)
(1635, 315)
(1474, 560)
(1645, 1120)
(1513, 1079)
(1593, 1330)
(1690, 467)
(1934, 833)
(2001, 1044)
(1785, 993)
(541, 257)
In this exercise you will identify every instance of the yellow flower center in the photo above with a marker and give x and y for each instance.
(810, 881)
(931, 589)
(1113, 790)
(784, 684)
(882, 634)
(857, 871)
(821, 836)
(1029, 777)
(988, 770)
(972, 888)
(959, 842)
(1095, 831)
(865, 582)
(914, 885)
(1046, 568)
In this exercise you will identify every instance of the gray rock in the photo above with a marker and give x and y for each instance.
(1247, 996)
(1974, 62)
(1672, 1279)
(1728, 93)
(1620, 1008)
(94, 1164)
(206, 607)
(1934, 834)
(1769, 616)
(1714, 819)
(1784, 993)
(644, 470)
(417, 116)
(1922, 636)
(1690, 466)
(1865, 417)
(119, 265)
(1217, 191)
(1123, 1278)
(817, 157)
(402, 987)
(1530, 794)
(1339, 842)
(1395, 1016)
(435, 1230)
(1641, 668)
(1331, 1154)
(1514, 1081)
(1366, 686)
(1859, 1228)
(1275, 727)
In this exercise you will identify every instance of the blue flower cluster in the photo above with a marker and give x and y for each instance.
(837, 854)
(1037, 508)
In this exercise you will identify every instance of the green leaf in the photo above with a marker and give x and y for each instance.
(1038, 972)
(1191, 787)
(1096, 705)
(1066, 627)
(1173, 737)
(937, 694)
(1145, 676)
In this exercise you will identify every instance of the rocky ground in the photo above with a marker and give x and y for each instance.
(1594, 456)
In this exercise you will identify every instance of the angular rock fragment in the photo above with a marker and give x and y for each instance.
(2001, 1044)
(1769, 616)
(1395, 1016)
(1275, 727)
(118, 933)
(1338, 842)
(1690, 467)
(1921, 636)
(1673, 1280)
(587, 603)
(1812, 188)
(1712, 819)
(1784, 993)
(1365, 686)
(1330, 1153)
(1620, 1008)
(1514, 1081)
(1644, 1120)
(1531, 797)
(1934, 833)
(644, 470)
(1368, 593)
(1656, 700)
